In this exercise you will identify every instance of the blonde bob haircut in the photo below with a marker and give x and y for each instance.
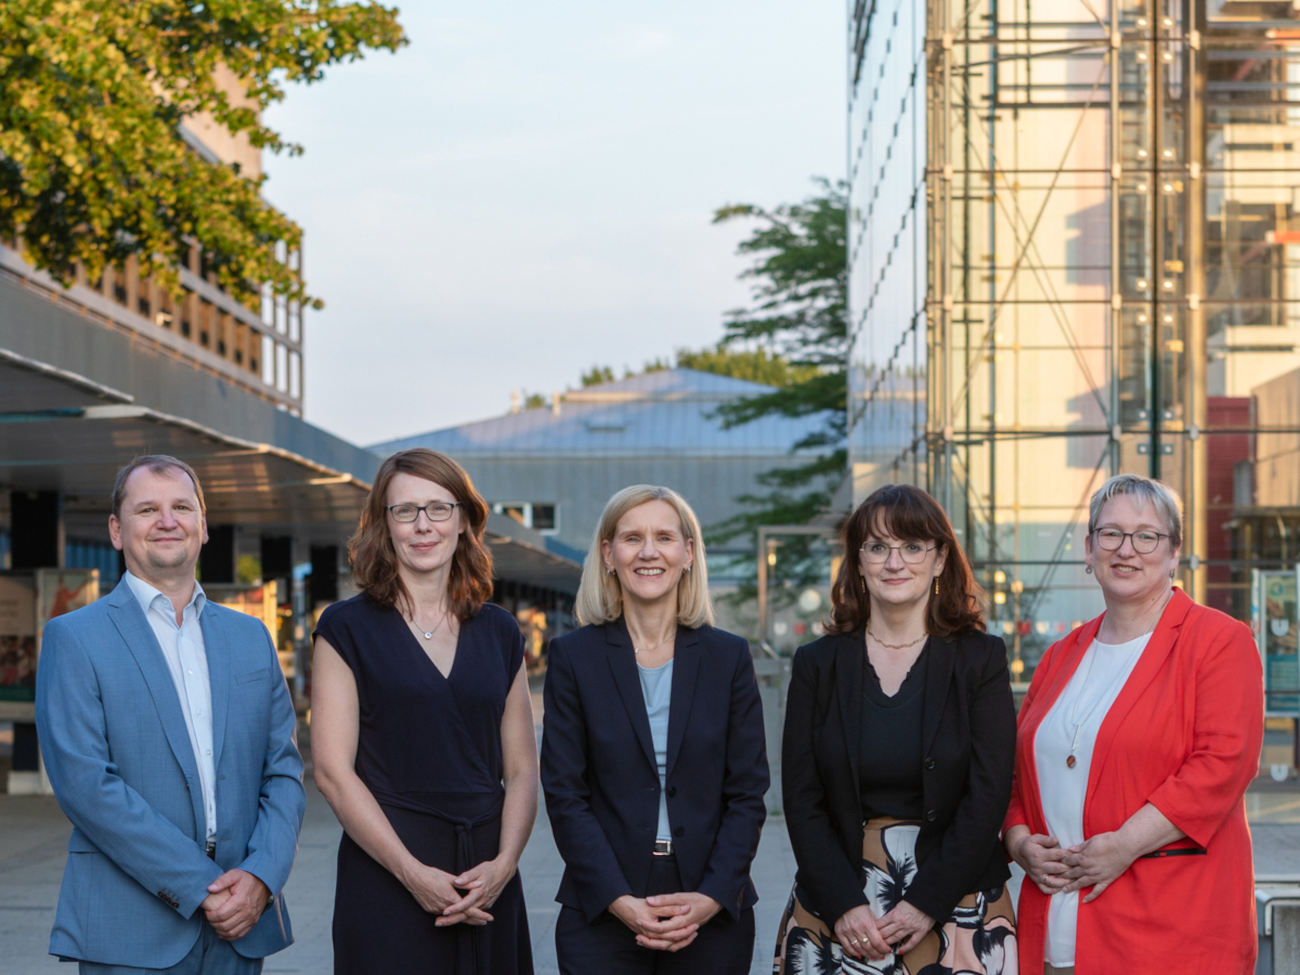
(600, 596)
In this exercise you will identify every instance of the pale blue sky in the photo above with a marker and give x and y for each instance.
(526, 190)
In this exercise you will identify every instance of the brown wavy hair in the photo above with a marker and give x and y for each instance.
(371, 553)
(909, 513)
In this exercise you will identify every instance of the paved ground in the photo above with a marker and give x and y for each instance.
(33, 837)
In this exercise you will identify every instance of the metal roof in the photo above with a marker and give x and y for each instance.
(671, 412)
(60, 431)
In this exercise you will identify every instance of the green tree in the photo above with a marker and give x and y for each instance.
(93, 94)
(756, 365)
(596, 375)
(799, 315)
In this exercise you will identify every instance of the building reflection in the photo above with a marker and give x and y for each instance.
(1073, 251)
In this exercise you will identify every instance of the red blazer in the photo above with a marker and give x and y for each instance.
(1185, 735)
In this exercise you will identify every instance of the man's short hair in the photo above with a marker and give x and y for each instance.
(157, 464)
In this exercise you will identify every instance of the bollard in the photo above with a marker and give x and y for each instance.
(1277, 908)
(773, 674)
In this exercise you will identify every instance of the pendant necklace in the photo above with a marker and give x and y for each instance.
(429, 634)
(653, 646)
(1070, 760)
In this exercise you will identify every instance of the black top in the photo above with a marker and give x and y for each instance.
(427, 742)
(967, 740)
(889, 776)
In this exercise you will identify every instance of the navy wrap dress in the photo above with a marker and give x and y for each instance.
(429, 750)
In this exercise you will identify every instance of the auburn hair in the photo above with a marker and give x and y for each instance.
(905, 512)
(374, 560)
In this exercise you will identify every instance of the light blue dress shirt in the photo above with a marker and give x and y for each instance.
(187, 661)
(657, 688)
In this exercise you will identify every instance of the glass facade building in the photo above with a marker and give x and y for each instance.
(1074, 250)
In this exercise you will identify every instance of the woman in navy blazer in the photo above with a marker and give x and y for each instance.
(653, 756)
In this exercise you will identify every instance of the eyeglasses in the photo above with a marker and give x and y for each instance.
(909, 552)
(1112, 539)
(434, 511)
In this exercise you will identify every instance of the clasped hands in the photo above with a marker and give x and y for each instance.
(1055, 869)
(235, 901)
(863, 935)
(665, 922)
(462, 899)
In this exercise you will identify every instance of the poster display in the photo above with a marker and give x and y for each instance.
(29, 600)
(1274, 618)
(18, 637)
(60, 591)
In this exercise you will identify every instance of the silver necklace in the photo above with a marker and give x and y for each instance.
(653, 646)
(428, 634)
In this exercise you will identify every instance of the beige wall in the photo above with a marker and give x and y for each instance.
(1277, 455)
(228, 148)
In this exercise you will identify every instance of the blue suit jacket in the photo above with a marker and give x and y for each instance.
(602, 784)
(119, 757)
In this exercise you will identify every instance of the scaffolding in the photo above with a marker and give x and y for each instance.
(1102, 235)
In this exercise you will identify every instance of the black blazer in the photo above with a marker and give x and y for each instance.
(969, 727)
(601, 782)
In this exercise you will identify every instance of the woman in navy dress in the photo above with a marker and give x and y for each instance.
(422, 736)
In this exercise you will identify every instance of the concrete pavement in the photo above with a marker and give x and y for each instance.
(33, 843)
(34, 833)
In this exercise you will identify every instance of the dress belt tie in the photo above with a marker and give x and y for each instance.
(467, 936)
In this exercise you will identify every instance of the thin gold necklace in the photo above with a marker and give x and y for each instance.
(896, 646)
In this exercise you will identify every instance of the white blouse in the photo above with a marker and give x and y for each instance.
(1070, 729)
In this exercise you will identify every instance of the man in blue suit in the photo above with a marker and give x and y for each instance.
(168, 735)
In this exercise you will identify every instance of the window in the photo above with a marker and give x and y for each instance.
(538, 515)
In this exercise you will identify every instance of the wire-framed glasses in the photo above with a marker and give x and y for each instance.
(434, 511)
(1144, 542)
(910, 552)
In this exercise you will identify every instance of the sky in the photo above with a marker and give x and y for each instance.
(527, 190)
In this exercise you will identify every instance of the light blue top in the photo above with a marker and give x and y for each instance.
(656, 688)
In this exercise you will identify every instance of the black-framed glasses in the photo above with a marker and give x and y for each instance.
(1112, 539)
(434, 511)
(910, 552)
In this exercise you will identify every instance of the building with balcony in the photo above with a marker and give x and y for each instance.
(103, 370)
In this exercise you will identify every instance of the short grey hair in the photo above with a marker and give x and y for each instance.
(1144, 490)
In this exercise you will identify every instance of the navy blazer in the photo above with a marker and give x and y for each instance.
(968, 748)
(600, 778)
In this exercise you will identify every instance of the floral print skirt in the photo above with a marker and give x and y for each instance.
(978, 938)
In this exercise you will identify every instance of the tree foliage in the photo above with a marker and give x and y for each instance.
(94, 95)
(755, 365)
(799, 313)
(596, 375)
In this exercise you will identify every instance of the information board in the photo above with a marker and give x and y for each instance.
(1273, 615)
